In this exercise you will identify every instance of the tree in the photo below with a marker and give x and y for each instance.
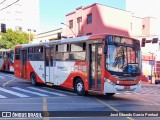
(11, 38)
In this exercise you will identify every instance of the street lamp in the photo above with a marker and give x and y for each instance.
(69, 28)
(152, 65)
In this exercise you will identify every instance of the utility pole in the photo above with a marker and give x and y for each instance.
(152, 65)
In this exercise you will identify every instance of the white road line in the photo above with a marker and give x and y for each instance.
(28, 91)
(13, 93)
(2, 77)
(1, 96)
(5, 75)
(54, 93)
(71, 93)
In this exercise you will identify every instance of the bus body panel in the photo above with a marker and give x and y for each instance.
(63, 72)
(77, 69)
(17, 68)
(11, 67)
(38, 68)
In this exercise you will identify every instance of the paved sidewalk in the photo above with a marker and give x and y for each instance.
(149, 84)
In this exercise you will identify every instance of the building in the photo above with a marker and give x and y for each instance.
(20, 15)
(98, 18)
(49, 36)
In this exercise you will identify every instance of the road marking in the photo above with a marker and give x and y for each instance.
(60, 91)
(2, 77)
(28, 91)
(8, 82)
(46, 114)
(7, 75)
(54, 93)
(13, 93)
(1, 96)
(112, 108)
(153, 103)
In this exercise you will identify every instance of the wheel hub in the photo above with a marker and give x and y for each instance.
(79, 87)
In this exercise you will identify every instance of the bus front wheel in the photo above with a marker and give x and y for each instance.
(33, 79)
(79, 87)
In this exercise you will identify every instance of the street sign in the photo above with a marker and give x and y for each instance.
(151, 62)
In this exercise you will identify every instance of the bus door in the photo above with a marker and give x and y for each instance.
(95, 66)
(49, 64)
(24, 63)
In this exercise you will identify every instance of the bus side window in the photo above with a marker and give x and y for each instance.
(62, 52)
(78, 51)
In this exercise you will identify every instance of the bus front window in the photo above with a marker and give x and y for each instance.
(122, 59)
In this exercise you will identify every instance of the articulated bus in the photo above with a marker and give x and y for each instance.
(103, 63)
(7, 60)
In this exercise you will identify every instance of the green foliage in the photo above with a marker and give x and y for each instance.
(11, 38)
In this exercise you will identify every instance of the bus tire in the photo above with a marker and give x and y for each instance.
(109, 94)
(33, 79)
(79, 87)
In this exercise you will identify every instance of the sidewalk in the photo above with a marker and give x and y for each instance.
(149, 84)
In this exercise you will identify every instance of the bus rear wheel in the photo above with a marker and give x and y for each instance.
(79, 87)
(33, 79)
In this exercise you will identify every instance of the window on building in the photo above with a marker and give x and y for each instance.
(79, 19)
(18, 28)
(143, 26)
(71, 24)
(89, 18)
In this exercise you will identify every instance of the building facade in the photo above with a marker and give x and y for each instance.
(20, 15)
(49, 36)
(97, 18)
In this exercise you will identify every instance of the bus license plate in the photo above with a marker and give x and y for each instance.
(127, 87)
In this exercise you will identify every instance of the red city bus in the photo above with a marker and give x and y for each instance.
(104, 63)
(7, 60)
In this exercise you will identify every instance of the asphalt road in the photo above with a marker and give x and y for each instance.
(18, 98)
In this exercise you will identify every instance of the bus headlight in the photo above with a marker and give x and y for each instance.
(140, 82)
(109, 81)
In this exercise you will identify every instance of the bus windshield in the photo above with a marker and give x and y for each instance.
(123, 57)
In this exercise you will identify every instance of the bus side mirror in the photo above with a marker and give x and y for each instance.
(105, 49)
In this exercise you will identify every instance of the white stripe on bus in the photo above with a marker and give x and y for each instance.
(54, 93)
(1, 96)
(13, 93)
(28, 91)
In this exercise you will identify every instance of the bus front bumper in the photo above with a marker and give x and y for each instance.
(110, 87)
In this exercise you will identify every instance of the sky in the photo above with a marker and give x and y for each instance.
(52, 12)
(149, 8)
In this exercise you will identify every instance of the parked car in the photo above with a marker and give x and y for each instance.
(157, 81)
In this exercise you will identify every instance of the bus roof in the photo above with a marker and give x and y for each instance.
(67, 40)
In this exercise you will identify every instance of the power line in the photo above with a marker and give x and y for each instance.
(3, 1)
(9, 5)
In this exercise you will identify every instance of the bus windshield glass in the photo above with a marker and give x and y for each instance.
(123, 55)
